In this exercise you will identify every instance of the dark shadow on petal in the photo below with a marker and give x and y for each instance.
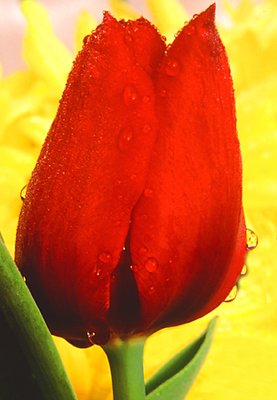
(124, 313)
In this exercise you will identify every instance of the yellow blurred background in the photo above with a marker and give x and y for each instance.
(242, 363)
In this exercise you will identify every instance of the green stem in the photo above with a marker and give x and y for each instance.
(126, 364)
(27, 342)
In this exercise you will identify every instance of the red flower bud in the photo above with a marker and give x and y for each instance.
(133, 217)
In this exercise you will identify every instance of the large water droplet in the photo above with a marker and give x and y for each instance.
(130, 95)
(151, 264)
(251, 239)
(105, 257)
(232, 295)
(23, 192)
(125, 138)
(172, 67)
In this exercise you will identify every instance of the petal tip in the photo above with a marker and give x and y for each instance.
(207, 17)
(209, 13)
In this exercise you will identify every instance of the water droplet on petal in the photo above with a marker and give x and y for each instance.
(163, 92)
(145, 99)
(232, 295)
(151, 264)
(85, 40)
(133, 177)
(130, 95)
(151, 289)
(143, 250)
(148, 192)
(146, 128)
(172, 67)
(133, 267)
(125, 138)
(251, 239)
(105, 257)
(23, 192)
(190, 30)
(128, 38)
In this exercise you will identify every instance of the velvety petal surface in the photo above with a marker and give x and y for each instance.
(90, 173)
(185, 227)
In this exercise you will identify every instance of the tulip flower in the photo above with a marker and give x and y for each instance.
(133, 216)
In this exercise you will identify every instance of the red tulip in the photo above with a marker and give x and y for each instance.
(133, 216)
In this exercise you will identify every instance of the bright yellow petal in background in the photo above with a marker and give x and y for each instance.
(84, 26)
(49, 59)
(168, 16)
(243, 361)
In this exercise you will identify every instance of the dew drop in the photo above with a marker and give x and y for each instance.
(125, 138)
(151, 289)
(145, 99)
(251, 239)
(151, 264)
(146, 128)
(190, 30)
(163, 93)
(133, 267)
(232, 295)
(148, 192)
(24, 279)
(23, 192)
(85, 40)
(128, 38)
(172, 67)
(130, 95)
(143, 250)
(105, 257)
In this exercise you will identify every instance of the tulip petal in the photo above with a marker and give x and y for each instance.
(185, 227)
(90, 173)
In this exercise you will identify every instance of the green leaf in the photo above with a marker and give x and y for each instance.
(30, 366)
(175, 378)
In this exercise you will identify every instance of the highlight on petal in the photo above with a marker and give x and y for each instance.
(185, 226)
